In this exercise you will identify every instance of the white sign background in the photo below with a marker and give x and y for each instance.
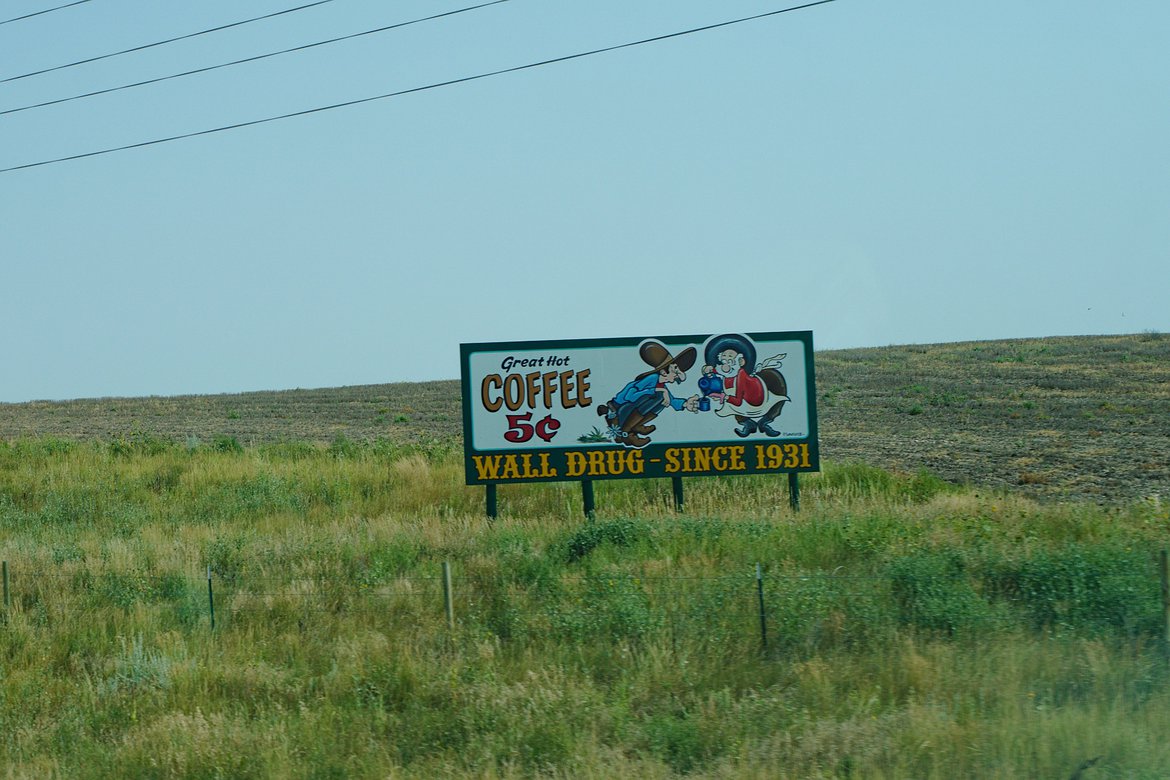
(610, 369)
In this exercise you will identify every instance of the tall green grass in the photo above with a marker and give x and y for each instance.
(915, 629)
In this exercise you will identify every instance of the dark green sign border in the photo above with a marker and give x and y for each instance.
(612, 461)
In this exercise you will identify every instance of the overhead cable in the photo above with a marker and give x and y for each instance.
(161, 43)
(46, 11)
(399, 93)
(249, 59)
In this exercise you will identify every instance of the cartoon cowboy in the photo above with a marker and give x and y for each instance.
(752, 394)
(630, 411)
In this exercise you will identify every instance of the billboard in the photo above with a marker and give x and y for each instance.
(664, 406)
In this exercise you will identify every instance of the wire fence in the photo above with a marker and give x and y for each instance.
(777, 609)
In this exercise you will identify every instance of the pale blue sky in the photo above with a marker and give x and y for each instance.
(876, 171)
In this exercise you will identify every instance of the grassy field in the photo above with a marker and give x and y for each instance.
(915, 629)
(1085, 417)
(971, 588)
(1079, 417)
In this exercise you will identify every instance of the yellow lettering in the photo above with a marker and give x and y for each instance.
(634, 462)
(770, 458)
(791, 456)
(704, 459)
(735, 458)
(615, 462)
(487, 466)
(546, 470)
(596, 462)
(511, 468)
(620, 461)
(574, 463)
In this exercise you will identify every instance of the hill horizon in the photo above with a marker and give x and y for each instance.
(1055, 417)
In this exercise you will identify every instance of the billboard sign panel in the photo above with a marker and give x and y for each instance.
(666, 406)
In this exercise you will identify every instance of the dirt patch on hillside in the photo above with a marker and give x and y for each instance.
(1085, 417)
(408, 412)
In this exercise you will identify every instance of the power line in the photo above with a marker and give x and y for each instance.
(46, 11)
(161, 43)
(249, 59)
(437, 85)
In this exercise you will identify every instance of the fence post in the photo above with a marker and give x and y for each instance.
(1164, 571)
(447, 602)
(7, 602)
(763, 616)
(210, 598)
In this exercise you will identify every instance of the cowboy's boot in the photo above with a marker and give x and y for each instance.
(643, 428)
(632, 421)
(630, 430)
(634, 440)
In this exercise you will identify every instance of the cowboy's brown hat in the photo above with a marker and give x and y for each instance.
(658, 357)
